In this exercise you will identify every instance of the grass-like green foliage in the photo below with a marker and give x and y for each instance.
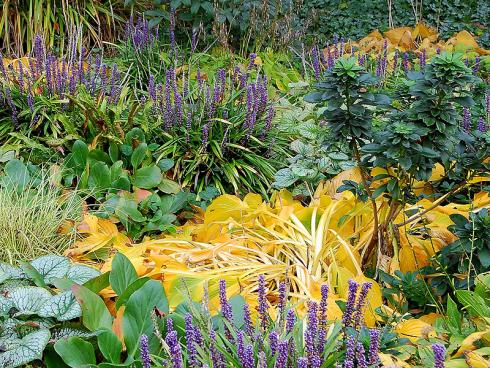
(32, 210)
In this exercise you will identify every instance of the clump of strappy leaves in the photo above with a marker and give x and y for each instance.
(37, 308)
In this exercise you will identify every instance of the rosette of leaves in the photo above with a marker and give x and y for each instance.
(128, 183)
(346, 91)
(316, 159)
(35, 309)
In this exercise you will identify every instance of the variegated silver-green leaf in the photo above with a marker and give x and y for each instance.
(62, 306)
(25, 350)
(29, 299)
(51, 267)
(10, 285)
(66, 332)
(5, 305)
(11, 271)
(80, 274)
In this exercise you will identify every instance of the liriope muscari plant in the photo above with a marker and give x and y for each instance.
(57, 96)
(219, 132)
(194, 339)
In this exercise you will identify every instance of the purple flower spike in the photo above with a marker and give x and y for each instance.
(373, 346)
(172, 30)
(282, 356)
(487, 106)
(350, 305)
(175, 350)
(302, 363)
(249, 361)
(251, 63)
(290, 320)
(145, 351)
(152, 89)
(190, 337)
(438, 51)
(361, 356)
(439, 355)
(316, 62)
(282, 293)
(263, 305)
(481, 125)
(361, 302)
(476, 67)
(405, 64)
(249, 329)
(226, 310)
(466, 122)
(423, 59)
(350, 353)
(395, 61)
(273, 342)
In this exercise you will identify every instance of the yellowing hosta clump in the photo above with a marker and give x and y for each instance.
(238, 240)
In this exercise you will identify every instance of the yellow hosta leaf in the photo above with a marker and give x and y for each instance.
(391, 361)
(430, 318)
(414, 329)
(224, 207)
(401, 37)
(424, 31)
(467, 343)
(475, 360)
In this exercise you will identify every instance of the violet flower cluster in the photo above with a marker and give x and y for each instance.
(140, 36)
(185, 106)
(273, 343)
(59, 77)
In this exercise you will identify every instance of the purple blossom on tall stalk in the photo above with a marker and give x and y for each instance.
(263, 305)
(438, 51)
(467, 61)
(281, 305)
(423, 59)
(373, 346)
(361, 356)
(21, 78)
(361, 59)
(145, 351)
(290, 320)
(190, 338)
(247, 318)
(481, 125)
(379, 66)
(439, 355)
(311, 333)
(302, 363)
(47, 68)
(350, 352)
(282, 355)
(476, 67)
(175, 350)
(249, 361)
(32, 69)
(405, 63)
(98, 62)
(152, 88)
(240, 347)
(330, 58)
(251, 59)
(316, 62)
(168, 114)
(179, 113)
(216, 356)
(72, 84)
(221, 85)
(39, 52)
(361, 302)
(10, 102)
(262, 360)
(350, 305)
(466, 122)
(273, 341)
(322, 323)
(395, 61)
